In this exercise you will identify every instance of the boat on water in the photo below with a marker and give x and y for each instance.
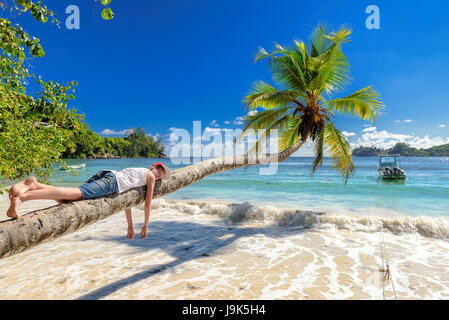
(76, 166)
(390, 167)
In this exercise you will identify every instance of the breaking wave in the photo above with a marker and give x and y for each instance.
(430, 227)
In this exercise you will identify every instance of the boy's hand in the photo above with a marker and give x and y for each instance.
(144, 232)
(130, 234)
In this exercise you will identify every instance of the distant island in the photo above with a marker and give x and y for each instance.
(90, 145)
(404, 150)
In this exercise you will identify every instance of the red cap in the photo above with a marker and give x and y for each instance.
(166, 169)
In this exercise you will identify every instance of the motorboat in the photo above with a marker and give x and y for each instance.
(390, 167)
(76, 166)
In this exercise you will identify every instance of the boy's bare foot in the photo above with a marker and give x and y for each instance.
(13, 208)
(21, 187)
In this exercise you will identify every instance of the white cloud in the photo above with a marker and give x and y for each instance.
(226, 122)
(110, 132)
(384, 140)
(173, 136)
(405, 121)
(239, 120)
(442, 126)
(155, 136)
(348, 134)
(214, 123)
(209, 129)
(370, 129)
(427, 142)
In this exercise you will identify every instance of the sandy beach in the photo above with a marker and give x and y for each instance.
(217, 250)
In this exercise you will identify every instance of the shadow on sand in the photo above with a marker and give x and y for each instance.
(185, 241)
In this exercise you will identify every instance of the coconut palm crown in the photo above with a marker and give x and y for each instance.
(302, 105)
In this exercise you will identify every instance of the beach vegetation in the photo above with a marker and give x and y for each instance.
(137, 144)
(404, 150)
(36, 123)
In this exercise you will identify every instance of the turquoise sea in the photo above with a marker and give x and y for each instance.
(266, 239)
(424, 192)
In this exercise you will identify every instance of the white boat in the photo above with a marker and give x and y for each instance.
(390, 167)
(76, 166)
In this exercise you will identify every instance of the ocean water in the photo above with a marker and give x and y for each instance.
(425, 192)
(242, 235)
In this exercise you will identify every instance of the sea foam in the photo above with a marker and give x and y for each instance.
(430, 227)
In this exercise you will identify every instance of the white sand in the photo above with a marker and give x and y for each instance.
(213, 250)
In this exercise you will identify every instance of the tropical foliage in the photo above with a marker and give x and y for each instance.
(136, 145)
(35, 127)
(404, 150)
(302, 105)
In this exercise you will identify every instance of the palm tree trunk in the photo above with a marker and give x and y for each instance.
(51, 223)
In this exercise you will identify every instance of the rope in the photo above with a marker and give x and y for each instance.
(387, 271)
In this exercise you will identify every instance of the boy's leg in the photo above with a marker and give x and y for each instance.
(21, 187)
(47, 193)
(52, 193)
(13, 208)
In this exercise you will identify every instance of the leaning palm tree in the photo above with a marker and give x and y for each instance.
(302, 105)
(299, 110)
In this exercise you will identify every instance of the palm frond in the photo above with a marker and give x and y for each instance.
(286, 70)
(343, 35)
(267, 96)
(365, 103)
(333, 74)
(331, 67)
(318, 42)
(279, 124)
(264, 119)
(291, 134)
(261, 54)
(319, 144)
(339, 150)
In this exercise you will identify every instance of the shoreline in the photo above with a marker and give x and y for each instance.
(216, 250)
(284, 215)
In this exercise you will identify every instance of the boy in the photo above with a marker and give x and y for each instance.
(102, 183)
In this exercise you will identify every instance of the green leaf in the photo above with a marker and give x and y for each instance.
(364, 103)
(105, 2)
(339, 151)
(107, 14)
(36, 50)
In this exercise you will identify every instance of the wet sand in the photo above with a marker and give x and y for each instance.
(195, 252)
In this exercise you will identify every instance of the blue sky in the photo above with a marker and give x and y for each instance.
(164, 64)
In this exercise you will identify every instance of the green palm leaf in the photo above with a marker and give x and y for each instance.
(285, 72)
(291, 134)
(266, 96)
(319, 144)
(279, 124)
(339, 150)
(261, 54)
(364, 103)
(330, 67)
(318, 42)
(264, 119)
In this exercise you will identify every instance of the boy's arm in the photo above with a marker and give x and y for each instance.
(129, 219)
(150, 187)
